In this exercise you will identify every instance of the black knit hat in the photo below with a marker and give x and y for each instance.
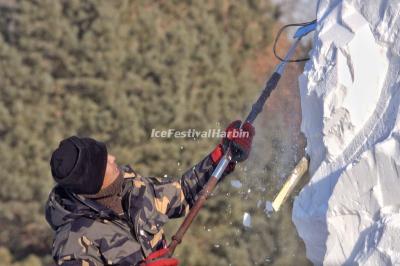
(79, 164)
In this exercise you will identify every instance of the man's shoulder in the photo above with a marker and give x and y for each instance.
(128, 172)
(139, 180)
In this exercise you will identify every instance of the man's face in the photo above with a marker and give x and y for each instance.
(112, 171)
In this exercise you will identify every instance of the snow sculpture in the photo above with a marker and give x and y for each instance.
(350, 96)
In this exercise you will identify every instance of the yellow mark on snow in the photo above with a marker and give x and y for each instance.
(291, 182)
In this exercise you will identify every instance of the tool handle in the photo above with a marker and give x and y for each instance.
(259, 104)
(271, 84)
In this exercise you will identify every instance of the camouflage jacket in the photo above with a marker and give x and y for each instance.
(87, 233)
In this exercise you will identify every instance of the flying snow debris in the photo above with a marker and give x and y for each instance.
(268, 207)
(236, 183)
(246, 219)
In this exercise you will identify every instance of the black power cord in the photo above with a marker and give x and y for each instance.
(279, 34)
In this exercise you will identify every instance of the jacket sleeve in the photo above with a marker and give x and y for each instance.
(174, 198)
(196, 178)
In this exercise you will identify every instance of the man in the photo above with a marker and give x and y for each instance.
(103, 214)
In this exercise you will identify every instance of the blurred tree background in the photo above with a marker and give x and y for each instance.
(114, 70)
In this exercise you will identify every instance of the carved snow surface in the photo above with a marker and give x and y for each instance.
(349, 212)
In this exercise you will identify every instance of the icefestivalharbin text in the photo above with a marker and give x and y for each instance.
(349, 212)
(193, 133)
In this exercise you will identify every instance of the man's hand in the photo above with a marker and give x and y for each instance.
(239, 139)
(160, 258)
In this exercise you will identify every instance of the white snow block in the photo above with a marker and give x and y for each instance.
(236, 183)
(350, 97)
(246, 220)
